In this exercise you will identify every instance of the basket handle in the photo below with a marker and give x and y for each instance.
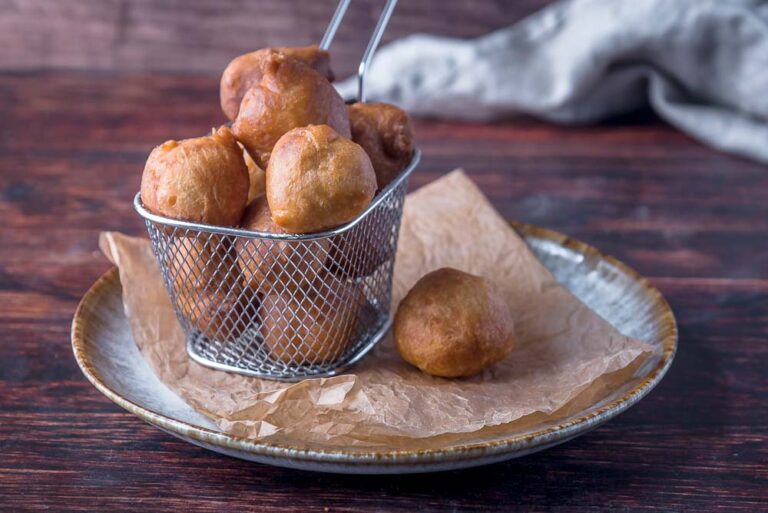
(333, 26)
(373, 43)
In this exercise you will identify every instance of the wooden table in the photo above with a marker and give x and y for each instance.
(693, 220)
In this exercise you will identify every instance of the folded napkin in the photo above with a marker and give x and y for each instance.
(702, 65)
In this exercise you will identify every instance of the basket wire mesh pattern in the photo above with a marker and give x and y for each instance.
(282, 306)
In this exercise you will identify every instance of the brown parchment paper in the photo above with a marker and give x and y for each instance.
(564, 346)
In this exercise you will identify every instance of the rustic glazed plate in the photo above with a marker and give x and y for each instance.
(109, 358)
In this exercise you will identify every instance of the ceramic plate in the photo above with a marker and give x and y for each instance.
(109, 358)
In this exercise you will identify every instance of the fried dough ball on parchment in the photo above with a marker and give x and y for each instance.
(384, 131)
(272, 264)
(204, 180)
(246, 70)
(207, 286)
(290, 94)
(317, 180)
(303, 328)
(453, 324)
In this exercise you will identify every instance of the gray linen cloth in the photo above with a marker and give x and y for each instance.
(702, 65)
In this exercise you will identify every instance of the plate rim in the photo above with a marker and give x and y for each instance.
(384, 457)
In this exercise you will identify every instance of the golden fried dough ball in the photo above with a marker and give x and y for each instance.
(207, 292)
(256, 175)
(304, 329)
(290, 94)
(246, 70)
(268, 264)
(203, 180)
(318, 180)
(453, 324)
(384, 131)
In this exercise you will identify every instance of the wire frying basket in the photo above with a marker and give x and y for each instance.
(282, 306)
(285, 306)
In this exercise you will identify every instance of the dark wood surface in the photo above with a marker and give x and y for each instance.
(203, 35)
(694, 221)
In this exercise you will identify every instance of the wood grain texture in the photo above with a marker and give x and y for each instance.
(694, 221)
(141, 35)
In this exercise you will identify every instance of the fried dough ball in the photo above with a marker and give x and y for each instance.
(384, 131)
(290, 94)
(206, 292)
(246, 70)
(203, 180)
(272, 264)
(317, 180)
(453, 324)
(301, 328)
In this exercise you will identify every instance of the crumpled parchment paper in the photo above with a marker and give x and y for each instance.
(564, 346)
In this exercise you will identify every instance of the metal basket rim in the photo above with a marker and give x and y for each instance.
(240, 232)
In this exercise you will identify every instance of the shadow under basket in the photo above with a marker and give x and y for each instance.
(282, 306)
